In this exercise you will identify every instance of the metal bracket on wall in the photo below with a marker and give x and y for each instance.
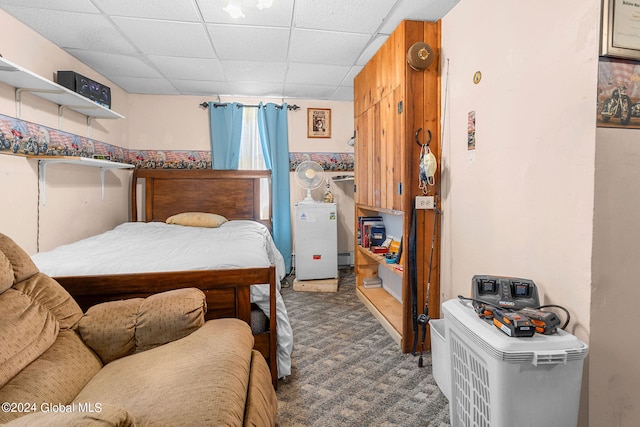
(18, 96)
(61, 109)
(104, 166)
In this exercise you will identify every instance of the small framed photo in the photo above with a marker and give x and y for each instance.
(318, 123)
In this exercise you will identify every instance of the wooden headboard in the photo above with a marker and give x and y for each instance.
(231, 193)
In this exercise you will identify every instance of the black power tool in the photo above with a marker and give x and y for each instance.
(545, 322)
(513, 324)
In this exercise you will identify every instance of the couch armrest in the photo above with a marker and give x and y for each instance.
(99, 415)
(118, 328)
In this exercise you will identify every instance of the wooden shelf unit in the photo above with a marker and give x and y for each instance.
(393, 105)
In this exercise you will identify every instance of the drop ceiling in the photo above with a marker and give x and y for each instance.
(306, 49)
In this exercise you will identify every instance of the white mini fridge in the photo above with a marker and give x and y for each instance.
(316, 240)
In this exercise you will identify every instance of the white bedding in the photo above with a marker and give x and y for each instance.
(139, 247)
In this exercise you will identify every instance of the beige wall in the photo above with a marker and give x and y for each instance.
(524, 205)
(189, 129)
(74, 207)
(614, 373)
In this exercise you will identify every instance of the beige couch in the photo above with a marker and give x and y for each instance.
(151, 361)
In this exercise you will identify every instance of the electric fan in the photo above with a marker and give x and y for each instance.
(309, 175)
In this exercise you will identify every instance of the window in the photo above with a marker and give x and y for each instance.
(251, 157)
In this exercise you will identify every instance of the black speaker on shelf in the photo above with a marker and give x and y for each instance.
(97, 92)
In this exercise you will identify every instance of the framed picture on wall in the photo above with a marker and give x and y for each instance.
(618, 93)
(318, 123)
(620, 35)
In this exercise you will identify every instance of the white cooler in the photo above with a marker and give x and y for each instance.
(497, 380)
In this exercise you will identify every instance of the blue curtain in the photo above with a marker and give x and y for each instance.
(274, 136)
(225, 123)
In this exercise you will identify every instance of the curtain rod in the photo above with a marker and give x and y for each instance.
(293, 107)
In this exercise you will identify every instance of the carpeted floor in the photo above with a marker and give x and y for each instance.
(347, 371)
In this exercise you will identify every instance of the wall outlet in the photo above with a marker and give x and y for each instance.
(424, 202)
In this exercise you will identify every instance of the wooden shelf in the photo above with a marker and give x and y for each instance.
(26, 81)
(380, 259)
(380, 210)
(385, 308)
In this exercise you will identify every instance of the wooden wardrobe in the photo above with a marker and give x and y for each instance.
(396, 109)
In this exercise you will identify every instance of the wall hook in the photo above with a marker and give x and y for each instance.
(418, 138)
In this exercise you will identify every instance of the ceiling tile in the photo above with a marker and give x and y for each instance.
(323, 47)
(255, 89)
(149, 86)
(353, 72)
(233, 42)
(194, 87)
(343, 94)
(168, 38)
(89, 31)
(353, 16)
(270, 72)
(112, 65)
(314, 73)
(84, 6)
(279, 15)
(188, 68)
(309, 91)
(174, 10)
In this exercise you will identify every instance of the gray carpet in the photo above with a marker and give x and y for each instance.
(347, 371)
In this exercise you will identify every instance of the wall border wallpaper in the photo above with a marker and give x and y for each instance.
(338, 162)
(22, 138)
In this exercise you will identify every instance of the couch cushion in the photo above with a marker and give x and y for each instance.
(200, 379)
(45, 291)
(262, 403)
(28, 330)
(6, 273)
(21, 265)
(168, 316)
(110, 328)
(118, 328)
(102, 416)
(56, 376)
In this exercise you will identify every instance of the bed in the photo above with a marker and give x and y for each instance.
(236, 263)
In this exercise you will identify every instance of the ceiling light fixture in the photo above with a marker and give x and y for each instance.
(234, 7)
(264, 4)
